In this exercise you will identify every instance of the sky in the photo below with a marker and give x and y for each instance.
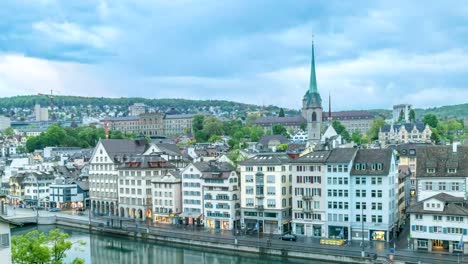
(368, 54)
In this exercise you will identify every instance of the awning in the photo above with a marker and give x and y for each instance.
(190, 215)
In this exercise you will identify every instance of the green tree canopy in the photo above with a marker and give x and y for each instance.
(412, 116)
(373, 132)
(401, 118)
(341, 129)
(8, 131)
(256, 133)
(280, 130)
(35, 247)
(197, 122)
(84, 137)
(431, 120)
(281, 112)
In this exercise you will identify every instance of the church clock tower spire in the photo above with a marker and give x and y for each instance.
(312, 105)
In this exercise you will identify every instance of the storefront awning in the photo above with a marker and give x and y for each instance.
(190, 215)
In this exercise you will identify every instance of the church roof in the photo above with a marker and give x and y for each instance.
(312, 97)
(408, 127)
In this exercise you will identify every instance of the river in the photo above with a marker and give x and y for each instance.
(103, 249)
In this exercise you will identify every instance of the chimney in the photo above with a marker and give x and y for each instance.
(455, 145)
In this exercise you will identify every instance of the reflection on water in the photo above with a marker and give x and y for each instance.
(103, 249)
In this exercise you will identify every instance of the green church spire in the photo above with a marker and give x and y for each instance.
(313, 79)
(312, 96)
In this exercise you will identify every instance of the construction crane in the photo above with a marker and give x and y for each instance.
(51, 100)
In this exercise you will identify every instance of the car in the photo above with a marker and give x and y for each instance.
(54, 210)
(80, 209)
(288, 237)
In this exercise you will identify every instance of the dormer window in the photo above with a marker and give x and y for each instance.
(379, 166)
(452, 170)
(430, 170)
(358, 166)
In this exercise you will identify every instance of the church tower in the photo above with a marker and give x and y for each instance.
(312, 106)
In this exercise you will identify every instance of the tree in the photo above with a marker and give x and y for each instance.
(435, 137)
(373, 132)
(256, 133)
(412, 116)
(280, 130)
(282, 147)
(250, 119)
(37, 247)
(431, 120)
(340, 129)
(401, 118)
(303, 126)
(9, 132)
(281, 113)
(212, 126)
(197, 123)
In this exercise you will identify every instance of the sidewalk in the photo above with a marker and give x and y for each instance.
(380, 248)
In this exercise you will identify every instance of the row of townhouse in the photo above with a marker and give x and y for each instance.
(346, 193)
(138, 180)
(439, 218)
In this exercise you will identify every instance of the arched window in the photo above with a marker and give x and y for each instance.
(314, 116)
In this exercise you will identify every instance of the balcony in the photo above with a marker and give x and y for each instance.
(259, 195)
(308, 210)
(307, 197)
(260, 207)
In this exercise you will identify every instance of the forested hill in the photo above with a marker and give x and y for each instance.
(444, 112)
(28, 101)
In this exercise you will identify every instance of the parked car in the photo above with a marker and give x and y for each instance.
(54, 210)
(80, 209)
(288, 237)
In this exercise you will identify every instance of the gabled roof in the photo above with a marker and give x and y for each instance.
(287, 120)
(139, 162)
(267, 159)
(341, 155)
(214, 169)
(408, 127)
(348, 115)
(442, 158)
(450, 208)
(371, 157)
(124, 146)
(171, 149)
(313, 157)
(265, 140)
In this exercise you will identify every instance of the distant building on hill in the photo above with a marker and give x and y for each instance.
(406, 133)
(401, 109)
(152, 124)
(136, 109)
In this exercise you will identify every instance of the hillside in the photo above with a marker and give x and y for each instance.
(8, 104)
(444, 112)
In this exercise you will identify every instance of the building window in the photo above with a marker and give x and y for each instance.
(422, 243)
(430, 170)
(5, 240)
(452, 170)
(419, 228)
(428, 186)
(418, 217)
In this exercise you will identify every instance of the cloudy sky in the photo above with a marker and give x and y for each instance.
(369, 54)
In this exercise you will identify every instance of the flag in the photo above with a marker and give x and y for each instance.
(460, 244)
(256, 226)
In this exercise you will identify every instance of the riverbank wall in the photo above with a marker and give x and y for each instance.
(203, 241)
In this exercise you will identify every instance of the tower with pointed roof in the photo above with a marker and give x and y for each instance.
(312, 106)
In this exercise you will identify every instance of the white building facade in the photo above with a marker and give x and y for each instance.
(266, 193)
(309, 197)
